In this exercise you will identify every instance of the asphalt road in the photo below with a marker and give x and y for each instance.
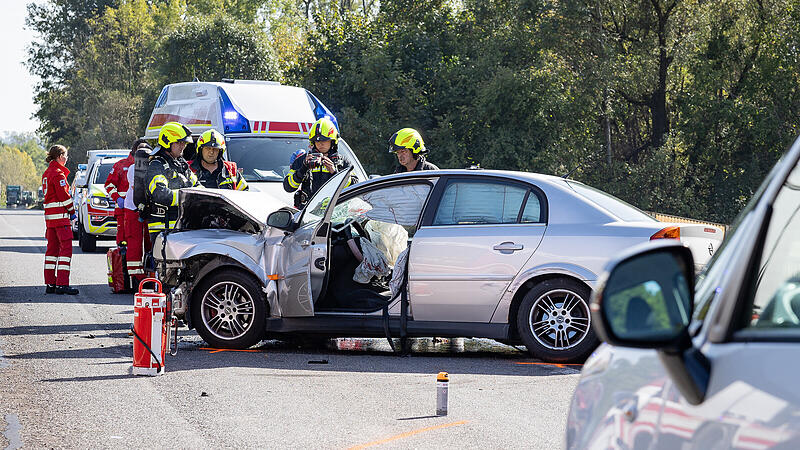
(65, 369)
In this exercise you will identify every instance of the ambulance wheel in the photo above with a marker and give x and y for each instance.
(229, 310)
(86, 241)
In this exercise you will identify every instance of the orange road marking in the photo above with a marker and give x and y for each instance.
(559, 365)
(217, 350)
(407, 434)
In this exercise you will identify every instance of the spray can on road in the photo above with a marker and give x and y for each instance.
(442, 380)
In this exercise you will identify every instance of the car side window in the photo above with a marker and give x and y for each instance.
(533, 210)
(776, 300)
(476, 203)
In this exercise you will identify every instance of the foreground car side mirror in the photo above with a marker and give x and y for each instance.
(645, 300)
(281, 220)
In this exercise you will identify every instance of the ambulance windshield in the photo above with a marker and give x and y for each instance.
(264, 158)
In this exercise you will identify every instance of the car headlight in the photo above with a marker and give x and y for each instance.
(101, 202)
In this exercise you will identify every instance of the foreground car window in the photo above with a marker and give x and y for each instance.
(472, 203)
(776, 303)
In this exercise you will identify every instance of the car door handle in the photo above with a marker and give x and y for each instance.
(305, 243)
(508, 247)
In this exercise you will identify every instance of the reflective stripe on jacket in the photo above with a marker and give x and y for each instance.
(117, 181)
(165, 176)
(305, 181)
(57, 199)
(228, 176)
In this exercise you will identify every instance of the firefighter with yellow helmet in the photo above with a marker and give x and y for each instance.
(309, 170)
(167, 172)
(407, 144)
(211, 169)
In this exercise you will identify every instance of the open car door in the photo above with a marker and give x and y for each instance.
(304, 258)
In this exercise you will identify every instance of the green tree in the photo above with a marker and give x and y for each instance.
(212, 48)
(30, 144)
(17, 168)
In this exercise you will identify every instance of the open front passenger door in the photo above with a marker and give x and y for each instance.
(304, 258)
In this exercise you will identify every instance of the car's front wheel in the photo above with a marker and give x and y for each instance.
(229, 310)
(554, 322)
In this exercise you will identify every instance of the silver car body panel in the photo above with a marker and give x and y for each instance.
(459, 272)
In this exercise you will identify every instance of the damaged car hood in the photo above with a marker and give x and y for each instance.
(256, 206)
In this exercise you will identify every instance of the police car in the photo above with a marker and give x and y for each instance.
(264, 122)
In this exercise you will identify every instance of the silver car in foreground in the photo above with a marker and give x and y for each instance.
(505, 255)
(706, 363)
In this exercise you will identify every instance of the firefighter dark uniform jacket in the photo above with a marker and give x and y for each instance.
(304, 181)
(165, 175)
(422, 164)
(57, 201)
(226, 176)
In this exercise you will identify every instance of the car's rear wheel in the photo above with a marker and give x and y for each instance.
(229, 310)
(86, 241)
(554, 322)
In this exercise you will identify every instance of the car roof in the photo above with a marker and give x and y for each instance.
(557, 190)
(510, 174)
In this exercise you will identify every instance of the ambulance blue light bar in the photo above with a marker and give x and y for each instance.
(232, 120)
(321, 110)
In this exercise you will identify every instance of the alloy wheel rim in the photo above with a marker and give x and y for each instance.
(227, 310)
(559, 319)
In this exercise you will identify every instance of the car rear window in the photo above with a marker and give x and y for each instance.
(610, 203)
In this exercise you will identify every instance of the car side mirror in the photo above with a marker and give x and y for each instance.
(281, 220)
(645, 300)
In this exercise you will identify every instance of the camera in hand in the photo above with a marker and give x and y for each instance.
(315, 160)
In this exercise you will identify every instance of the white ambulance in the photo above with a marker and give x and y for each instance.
(264, 122)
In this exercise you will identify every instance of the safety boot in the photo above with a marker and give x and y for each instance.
(50, 289)
(66, 290)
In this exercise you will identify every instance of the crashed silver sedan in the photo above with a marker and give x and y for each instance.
(510, 256)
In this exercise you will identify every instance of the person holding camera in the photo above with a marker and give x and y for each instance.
(310, 170)
(410, 150)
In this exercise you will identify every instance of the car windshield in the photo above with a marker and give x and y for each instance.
(264, 158)
(610, 203)
(102, 172)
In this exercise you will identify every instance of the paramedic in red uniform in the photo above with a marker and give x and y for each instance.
(136, 234)
(58, 210)
(117, 187)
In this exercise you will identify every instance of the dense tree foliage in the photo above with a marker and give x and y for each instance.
(679, 106)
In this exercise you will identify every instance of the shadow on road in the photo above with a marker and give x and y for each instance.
(24, 249)
(57, 330)
(280, 356)
(95, 294)
(22, 238)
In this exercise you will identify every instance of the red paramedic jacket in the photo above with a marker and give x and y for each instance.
(117, 182)
(57, 201)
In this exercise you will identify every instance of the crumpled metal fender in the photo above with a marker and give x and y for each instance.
(249, 252)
